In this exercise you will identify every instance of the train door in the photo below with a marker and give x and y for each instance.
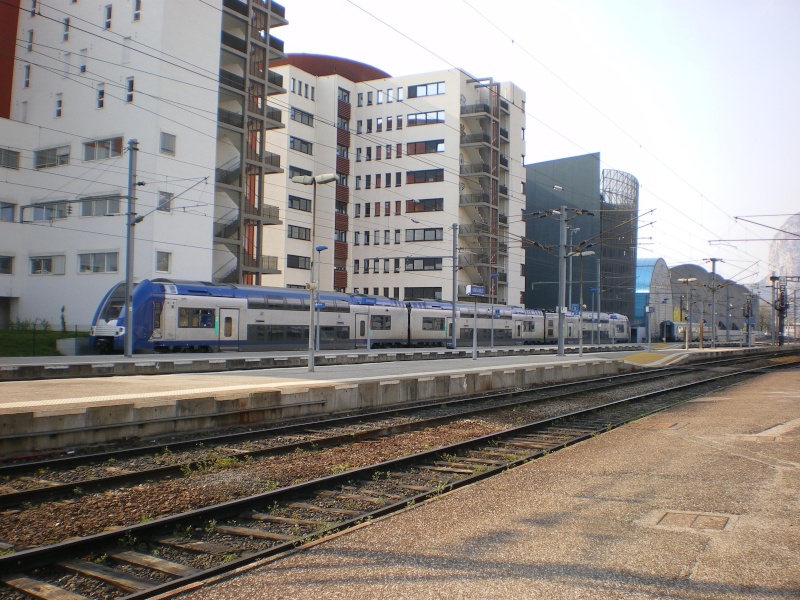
(361, 333)
(170, 320)
(229, 328)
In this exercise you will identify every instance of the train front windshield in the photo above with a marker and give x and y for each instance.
(114, 305)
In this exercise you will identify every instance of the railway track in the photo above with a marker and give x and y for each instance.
(151, 558)
(32, 482)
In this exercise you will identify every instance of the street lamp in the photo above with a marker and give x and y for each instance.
(580, 295)
(312, 180)
(492, 280)
(319, 250)
(687, 281)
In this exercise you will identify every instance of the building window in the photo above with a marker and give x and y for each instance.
(424, 264)
(366, 238)
(47, 211)
(359, 125)
(377, 185)
(102, 149)
(298, 262)
(378, 153)
(356, 238)
(427, 176)
(6, 265)
(358, 182)
(165, 201)
(426, 89)
(107, 17)
(390, 96)
(369, 152)
(168, 143)
(33, 8)
(376, 263)
(424, 235)
(355, 266)
(129, 90)
(425, 118)
(380, 96)
(367, 185)
(48, 265)
(425, 205)
(98, 262)
(376, 238)
(100, 206)
(298, 172)
(399, 122)
(379, 125)
(344, 95)
(388, 151)
(7, 211)
(163, 261)
(26, 76)
(101, 95)
(298, 203)
(369, 98)
(343, 124)
(360, 98)
(426, 147)
(59, 105)
(399, 94)
(301, 145)
(396, 236)
(387, 235)
(301, 116)
(385, 270)
(299, 233)
(29, 44)
(9, 159)
(358, 154)
(369, 125)
(51, 157)
(339, 235)
(65, 33)
(422, 293)
(397, 204)
(137, 10)
(388, 183)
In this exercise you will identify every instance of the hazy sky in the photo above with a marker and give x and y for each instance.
(698, 99)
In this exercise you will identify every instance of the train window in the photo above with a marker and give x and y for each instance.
(432, 324)
(256, 301)
(228, 327)
(196, 317)
(362, 328)
(275, 303)
(380, 322)
(530, 326)
(295, 304)
(296, 333)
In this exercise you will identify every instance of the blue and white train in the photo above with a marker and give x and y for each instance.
(171, 315)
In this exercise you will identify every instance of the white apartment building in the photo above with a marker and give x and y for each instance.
(413, 156)
(189, 82)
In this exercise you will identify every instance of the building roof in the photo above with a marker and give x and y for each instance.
(321, 65)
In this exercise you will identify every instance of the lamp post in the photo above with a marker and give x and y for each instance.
(687, 281)
(319, 250)
(492, 280)
(774, 279)
(453, 331)
(580, 297)
(312, 180)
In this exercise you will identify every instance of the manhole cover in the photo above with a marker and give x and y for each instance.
(694, 520)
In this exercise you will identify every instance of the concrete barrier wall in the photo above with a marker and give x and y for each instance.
(43, 430)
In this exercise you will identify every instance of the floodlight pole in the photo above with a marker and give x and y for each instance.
(453, 331)
(562, 277)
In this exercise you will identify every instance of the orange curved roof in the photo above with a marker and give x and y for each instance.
(321, 65)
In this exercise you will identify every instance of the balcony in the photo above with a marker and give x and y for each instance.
(237, 6)
(476, 109)
(276, 47)
(230, 118)
(475, 139)
(504, 133)
(267, 214)
(275, 115)
(504, 105)
(232, 41)
(504, 160)
(229, 176)
(231, 80)
(272, 160)
(264, 264)
(479, 169)
(340, 250)
(503, 220)
(503, 190)
(275, 79)
(342, 193)
(471, 259)
(474, 199)
(473, 229)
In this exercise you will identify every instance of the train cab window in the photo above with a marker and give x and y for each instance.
(114, 309)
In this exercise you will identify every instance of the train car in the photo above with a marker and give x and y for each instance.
(378, 322)
(675, 331)
(528, 326)
(619, 330)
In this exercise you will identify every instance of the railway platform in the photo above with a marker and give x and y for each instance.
(699, 501)
(39, 415)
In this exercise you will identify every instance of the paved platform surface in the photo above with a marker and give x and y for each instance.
(700, 501)
(75, 393)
